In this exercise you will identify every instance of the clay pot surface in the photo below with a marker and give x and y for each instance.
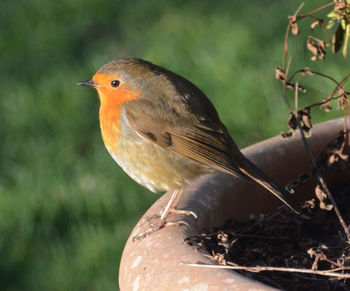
(154, 263)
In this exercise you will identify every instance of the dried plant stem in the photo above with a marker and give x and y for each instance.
(323, 102)
(314, 73)
(340, 85)
(285, 68)
(297, 18)
(286, 37)
(323, 27)
(319, 9)
(256, 269)
(242, 235)
(345, 117)
(346, 120)
(285, 86)
(318, 172)
(336, 209)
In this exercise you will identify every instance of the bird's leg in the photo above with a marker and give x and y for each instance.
(171, 206)
(163, 213)
(174, 200)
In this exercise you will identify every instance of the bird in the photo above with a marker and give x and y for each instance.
(164, 132)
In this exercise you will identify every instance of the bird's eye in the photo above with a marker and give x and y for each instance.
(115, 83)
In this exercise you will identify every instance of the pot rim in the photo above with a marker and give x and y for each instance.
(154, 263)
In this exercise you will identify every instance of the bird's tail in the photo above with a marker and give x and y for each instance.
(254, 173)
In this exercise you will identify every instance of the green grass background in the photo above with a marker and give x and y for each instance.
(66, 209)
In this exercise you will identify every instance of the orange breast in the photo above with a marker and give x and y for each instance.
(110, 126)
(112, 100)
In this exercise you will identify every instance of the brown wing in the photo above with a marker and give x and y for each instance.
(177, 129)
(203, 143)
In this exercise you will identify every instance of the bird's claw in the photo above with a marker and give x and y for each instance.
(184, 212)
(178, 223)
(151, 217)
(159, 225)
(160, 213)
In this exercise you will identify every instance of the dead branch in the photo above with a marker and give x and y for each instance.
(257, 269)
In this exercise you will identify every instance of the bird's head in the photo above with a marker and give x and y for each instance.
(123, 80)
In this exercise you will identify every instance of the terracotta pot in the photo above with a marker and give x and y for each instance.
(154, 262)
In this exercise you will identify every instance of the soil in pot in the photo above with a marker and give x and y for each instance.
(283, 239)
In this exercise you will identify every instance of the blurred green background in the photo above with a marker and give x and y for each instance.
(66, 208)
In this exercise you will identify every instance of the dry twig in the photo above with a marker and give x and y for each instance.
(257, 269)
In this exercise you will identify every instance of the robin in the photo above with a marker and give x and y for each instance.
(164, 132)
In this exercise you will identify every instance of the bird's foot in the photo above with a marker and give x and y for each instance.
(160, 213)
(157, 226)
(163, 214)
(151, 217)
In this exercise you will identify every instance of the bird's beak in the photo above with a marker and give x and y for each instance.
(88, 83)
